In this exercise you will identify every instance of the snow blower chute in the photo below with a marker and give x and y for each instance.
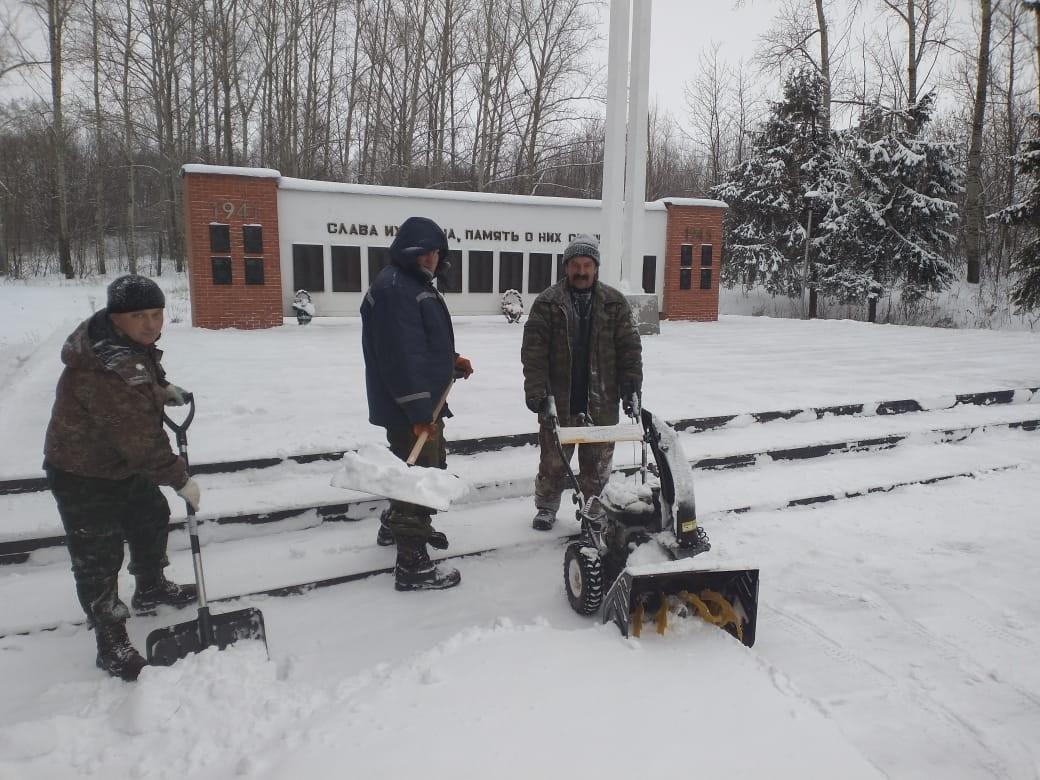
(633, 562)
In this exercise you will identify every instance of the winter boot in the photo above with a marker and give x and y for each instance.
(153, 590)
(415, 570)
(544, 520)
(384, 537)
(115, 653)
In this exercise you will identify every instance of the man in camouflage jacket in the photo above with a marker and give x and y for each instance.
(105, 455)
(581, 345)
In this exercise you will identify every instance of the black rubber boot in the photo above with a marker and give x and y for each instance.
(544, 520)
(415, 570)
(384, 537)
(152, 591)
(115, 653)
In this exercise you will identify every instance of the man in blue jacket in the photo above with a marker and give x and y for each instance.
(410, 361)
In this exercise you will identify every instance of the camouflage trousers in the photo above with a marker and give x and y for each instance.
(413, 521)
(98, 515)
(594, 462)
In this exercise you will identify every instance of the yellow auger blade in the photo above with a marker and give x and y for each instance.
(636, 620)
(727, 598)
(661, 619)
(720, 612)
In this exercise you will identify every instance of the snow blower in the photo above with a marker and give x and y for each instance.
(166, 646)
(638, 541)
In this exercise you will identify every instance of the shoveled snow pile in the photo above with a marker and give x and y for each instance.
(624, 494)
(239, 714)
(374, 469)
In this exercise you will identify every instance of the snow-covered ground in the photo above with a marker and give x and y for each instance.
(897, 633)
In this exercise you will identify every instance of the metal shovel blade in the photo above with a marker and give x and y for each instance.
(726, 598)
(166, 646)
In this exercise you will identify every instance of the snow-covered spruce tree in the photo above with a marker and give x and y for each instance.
(792, 168)
(1025, 264)
(894, 227)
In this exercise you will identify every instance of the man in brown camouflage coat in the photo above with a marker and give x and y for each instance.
(105, 455)
(581, 345)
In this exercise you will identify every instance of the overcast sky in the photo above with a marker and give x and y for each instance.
(682, 29)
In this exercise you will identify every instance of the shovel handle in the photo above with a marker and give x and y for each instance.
(421, 441)
(181, 432)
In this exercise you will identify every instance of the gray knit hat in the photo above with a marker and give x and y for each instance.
(583, 245)
(134, 293)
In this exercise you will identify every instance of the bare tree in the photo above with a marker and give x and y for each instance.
(555, 33)
(925, 24)
(56, 13)
(790, 42)
(709, 98)
(972, 192)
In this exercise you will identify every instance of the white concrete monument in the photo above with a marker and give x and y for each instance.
(624, 155)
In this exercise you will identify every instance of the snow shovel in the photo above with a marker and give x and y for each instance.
(374, 469)
(166, 646)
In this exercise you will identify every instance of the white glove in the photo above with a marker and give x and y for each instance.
(176, 396)
(190, 492)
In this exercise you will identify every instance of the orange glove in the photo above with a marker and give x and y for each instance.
(463, 367)
(429, 428)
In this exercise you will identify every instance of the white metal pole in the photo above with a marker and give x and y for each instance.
(614, 143)
(635, 158)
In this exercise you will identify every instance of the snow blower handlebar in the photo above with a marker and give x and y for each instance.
(553, 418)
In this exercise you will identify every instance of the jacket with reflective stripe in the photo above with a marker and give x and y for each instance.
(409, 346)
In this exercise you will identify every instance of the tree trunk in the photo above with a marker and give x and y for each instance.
(128, 141)
(825, 67)
(55, 30)
(911, 66)
(99, 188)
(1036, 16)
(5, 264)
(973, 189)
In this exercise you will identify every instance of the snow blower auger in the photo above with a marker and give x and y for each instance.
(638, 539)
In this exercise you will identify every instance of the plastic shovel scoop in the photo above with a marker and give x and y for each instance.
(374, 469)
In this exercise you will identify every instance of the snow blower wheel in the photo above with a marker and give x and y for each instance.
(583, 577)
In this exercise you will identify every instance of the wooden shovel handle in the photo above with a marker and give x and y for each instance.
(421, 441)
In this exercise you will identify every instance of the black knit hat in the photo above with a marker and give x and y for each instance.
(583, 245)
(134, 293)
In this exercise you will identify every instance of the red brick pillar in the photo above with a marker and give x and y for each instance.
(233, 285)
(693, 252)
